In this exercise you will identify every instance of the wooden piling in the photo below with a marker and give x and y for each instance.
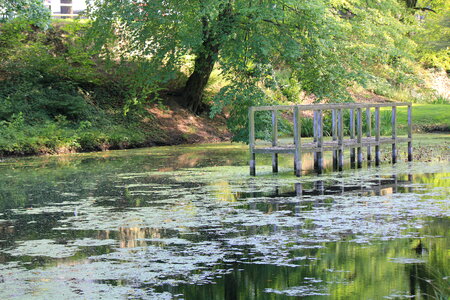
(340, 132)
(394, 134)
(377, 136)
(297, 142)
(410, 155)
(359, 137)
(315, 131)
(352, 136)
(320, 142)
(274, 141)
(369, 133)
(334, 137)
(251, 122)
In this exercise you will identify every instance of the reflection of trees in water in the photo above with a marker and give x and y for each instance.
(344, 270)
(130, 237)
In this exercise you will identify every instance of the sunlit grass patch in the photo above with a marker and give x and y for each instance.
(426, 117)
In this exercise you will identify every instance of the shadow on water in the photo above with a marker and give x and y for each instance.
(189, 223)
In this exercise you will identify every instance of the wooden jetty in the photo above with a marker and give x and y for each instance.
(356, 140)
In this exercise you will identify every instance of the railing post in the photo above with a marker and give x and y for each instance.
(369, 133)
(359, 136)
(377, 136)
(410, 155)
(352, 136)
(315, 121)
(394, 134)
(274, 140)
(251, 126)
(320, 142)
(297, 142)
(340, 139)
(334, 134)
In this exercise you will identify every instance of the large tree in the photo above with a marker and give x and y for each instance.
(324, 43)
(247, 38)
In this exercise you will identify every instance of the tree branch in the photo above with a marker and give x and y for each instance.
(425, 9)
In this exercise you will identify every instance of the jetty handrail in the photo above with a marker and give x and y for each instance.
(338, 142)
(327, 106)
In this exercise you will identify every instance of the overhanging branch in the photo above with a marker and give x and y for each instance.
(425, 9)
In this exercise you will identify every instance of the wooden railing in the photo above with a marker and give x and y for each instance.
(337, 143)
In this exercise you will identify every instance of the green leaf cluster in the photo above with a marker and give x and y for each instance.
(32, 11)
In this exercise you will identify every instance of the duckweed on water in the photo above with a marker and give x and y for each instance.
(132, 229)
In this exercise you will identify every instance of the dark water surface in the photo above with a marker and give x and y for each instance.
(189, 223)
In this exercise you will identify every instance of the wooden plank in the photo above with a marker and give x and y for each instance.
(369, 133)
(394, 134)
(359, 137)
(251, 125)
(297, 143)
(327, 106)
(410, 155)
(274, 140)
(377, 137)
(328, 146)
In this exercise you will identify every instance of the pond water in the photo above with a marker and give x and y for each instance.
(189, 223)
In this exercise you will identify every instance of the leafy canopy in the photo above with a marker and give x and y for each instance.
(321, 46)
(32, 11)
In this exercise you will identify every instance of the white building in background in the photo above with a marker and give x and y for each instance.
(65, 8)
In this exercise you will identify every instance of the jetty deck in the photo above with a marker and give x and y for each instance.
(356, 140)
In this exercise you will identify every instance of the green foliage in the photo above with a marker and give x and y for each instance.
(41, 98)
(247, 96)
(437, 59)
(253, 39)
(434, 36)
(32, 11)
(19, 138)
(55, 98)
(268, 51)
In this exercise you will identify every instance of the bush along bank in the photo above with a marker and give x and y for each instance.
(56, 98)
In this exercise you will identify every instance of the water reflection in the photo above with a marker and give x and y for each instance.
(150, 225)
(382, 186)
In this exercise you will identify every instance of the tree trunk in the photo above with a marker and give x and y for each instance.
(213, 36)
(411, 3)
(193, 90)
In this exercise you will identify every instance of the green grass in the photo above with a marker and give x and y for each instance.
(426, 117)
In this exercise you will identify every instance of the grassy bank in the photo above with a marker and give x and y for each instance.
(426, 117)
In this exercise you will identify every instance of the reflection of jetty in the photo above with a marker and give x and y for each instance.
(338, 142)
(377, 187)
